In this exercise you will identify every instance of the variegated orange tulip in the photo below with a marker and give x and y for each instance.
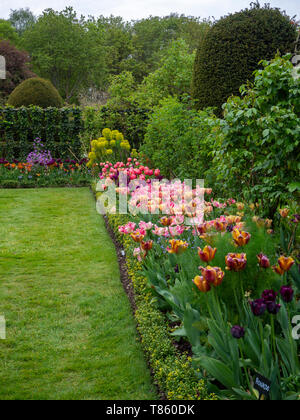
(240, 206)
(207, 254)
(235, 262)
(137, 236)
(213, 275)
(166, 221)
(220, 226)
(284, 212)
(233, 219)
(147, 245)
(202, 284)
(177, 246)
(268, 223)
(240, 237)
(277, 269)
(285, 263)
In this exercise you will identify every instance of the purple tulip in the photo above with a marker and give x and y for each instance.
(273, 308)
(237, 332)
(258, 307)
(287, 293)
(269, 296)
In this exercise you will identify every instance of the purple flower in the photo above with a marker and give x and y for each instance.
(237, 332)
(269, 296)
(287, 293)
(258, 307)
(273, 308)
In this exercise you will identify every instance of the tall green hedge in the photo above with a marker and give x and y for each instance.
(58, 128)
(232, 49)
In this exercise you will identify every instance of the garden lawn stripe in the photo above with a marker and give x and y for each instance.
(70, 330)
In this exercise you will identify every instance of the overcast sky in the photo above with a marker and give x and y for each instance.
(136, 9)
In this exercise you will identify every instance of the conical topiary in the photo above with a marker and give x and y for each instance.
(232, 49)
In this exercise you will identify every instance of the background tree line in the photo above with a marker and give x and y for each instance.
(81, 56)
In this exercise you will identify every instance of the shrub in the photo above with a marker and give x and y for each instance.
(232, 49)
(131, 122)
(35, 91)
(111, 145)
(258, 154)
(179, 140)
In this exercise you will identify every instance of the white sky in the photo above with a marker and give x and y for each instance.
(136, 9)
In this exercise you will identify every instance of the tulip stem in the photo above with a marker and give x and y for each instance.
(245, 369)
(273, 335)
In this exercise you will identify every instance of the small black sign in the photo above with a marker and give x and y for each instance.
(262, 385)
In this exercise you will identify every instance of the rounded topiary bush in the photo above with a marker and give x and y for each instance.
(35, 91)
(232, 49)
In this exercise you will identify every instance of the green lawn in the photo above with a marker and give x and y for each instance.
(70, 331)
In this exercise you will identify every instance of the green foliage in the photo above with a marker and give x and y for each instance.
(131, 122)
(22, 19)
(258, 152)
(153, 35)
(120, 90)
(66, 50)
(173, 76)
(35, 91)
(8, 32)
(232, 49)
(59, 128)
(180, 140)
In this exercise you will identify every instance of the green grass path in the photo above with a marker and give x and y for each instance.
(70, 331)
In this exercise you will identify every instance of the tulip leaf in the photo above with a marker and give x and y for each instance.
(218, 370)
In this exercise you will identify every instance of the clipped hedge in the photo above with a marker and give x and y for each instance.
(173, 372)
(130, 122)
(232, 49)
(35, 91)
(58, 128)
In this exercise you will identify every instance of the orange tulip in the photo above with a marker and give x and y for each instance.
(240, 238)
(285, 263)
(284, 212)
(235, 262)
(277, 269)
(177, 246)
(146, 246)
(207, 254)
(166, 221)
(137, 236)
(202, 284)
(220, 226)
(213, 275)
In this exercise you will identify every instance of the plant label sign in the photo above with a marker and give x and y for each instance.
(262, 385)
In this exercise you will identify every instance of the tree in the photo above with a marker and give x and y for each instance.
(172, 78)
(67, 50)
(8, 33)
(17, 68)
(121, 89)
(22, 19)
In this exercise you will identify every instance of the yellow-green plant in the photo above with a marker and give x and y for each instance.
(111, 146)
